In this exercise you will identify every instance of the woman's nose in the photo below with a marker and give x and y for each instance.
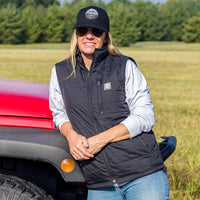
(89, 33)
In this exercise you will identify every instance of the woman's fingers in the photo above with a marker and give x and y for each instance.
(80, 152)
(79, 146)
(85, 142)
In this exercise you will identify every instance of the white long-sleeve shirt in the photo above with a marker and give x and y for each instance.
(141, 118)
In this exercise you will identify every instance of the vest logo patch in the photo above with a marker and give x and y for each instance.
(107, 86)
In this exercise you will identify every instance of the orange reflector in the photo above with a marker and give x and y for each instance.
(67, 165)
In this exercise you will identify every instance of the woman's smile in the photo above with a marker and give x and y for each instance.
(89, 42)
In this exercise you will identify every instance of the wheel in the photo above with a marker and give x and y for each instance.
(14, 188)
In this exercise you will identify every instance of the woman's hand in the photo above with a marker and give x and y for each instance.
(96, 143)
(114, 134)
(78, 144)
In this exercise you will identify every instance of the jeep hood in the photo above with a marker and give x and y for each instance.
(24, 100)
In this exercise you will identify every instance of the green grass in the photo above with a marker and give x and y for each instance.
(172, 71)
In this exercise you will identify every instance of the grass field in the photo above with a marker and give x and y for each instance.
(172, 71)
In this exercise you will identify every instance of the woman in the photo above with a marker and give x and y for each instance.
(101, 104)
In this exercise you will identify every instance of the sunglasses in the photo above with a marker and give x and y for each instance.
(81, 31)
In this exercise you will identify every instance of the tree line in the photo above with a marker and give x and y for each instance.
(38, 21)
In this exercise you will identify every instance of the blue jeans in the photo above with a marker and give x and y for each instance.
(152, 187)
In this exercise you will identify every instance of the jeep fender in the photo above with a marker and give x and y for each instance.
(41, 145)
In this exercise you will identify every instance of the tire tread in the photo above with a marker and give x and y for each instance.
(14, 188)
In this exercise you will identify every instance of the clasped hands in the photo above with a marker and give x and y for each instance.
(82, 148)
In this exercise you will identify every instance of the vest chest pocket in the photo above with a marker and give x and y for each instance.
(99, 93)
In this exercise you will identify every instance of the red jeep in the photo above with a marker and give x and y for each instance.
(35, 163)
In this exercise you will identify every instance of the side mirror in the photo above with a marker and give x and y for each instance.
(167, 146)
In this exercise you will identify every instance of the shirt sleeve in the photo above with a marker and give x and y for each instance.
(56, 103)
(141, 118)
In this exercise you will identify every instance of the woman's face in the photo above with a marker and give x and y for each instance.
(88, 39)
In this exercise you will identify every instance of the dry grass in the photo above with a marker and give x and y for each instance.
(173, 74)
(174, 81)
(30, 64)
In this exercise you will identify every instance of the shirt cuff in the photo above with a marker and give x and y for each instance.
(133, 126)
(59, 122)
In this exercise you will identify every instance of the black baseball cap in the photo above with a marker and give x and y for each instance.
(93, 16)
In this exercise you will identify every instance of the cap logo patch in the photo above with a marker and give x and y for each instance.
(91, 14)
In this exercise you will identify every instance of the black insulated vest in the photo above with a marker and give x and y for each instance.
(95, 101)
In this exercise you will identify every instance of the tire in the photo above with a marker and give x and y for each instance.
(14, 188)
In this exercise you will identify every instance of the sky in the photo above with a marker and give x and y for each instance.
(106, 1)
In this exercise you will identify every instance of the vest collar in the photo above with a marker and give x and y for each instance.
(99, 56)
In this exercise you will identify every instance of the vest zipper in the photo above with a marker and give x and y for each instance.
(90, 102)
(119, 190)
(96, 130)
(100, 97)
(110, 170)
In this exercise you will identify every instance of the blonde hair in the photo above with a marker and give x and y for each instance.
(112, 49)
